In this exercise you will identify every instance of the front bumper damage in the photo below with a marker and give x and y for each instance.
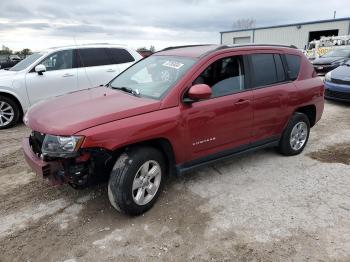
(88, 166)
(50, 171)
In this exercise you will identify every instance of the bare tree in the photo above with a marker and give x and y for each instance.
(244, 23)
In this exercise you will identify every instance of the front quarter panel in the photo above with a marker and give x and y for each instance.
(159, 124)
(15, 86)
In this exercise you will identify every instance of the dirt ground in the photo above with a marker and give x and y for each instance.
(257, 207)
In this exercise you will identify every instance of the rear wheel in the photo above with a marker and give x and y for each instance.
(295, 136)
(9, 112)
(136, 180)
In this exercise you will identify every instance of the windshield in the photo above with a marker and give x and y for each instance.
(338, 53)
(26, 62)
(153, 76)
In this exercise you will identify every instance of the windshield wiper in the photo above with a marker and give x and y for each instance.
(134, 92)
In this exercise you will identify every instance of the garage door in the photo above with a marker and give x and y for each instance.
(241, 40)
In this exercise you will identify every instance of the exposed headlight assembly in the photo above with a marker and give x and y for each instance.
(328, 77)
(61, 146)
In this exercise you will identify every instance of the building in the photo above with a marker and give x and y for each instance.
(299, 34)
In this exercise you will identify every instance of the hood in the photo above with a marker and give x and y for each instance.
(341, 73)
(4, 73)
(7, 77)
(327, 60)
(71, 113)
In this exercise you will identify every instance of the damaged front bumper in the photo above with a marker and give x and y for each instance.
(88, 167)
(51, 171)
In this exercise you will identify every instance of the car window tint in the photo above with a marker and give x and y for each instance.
(293, 63)
(59, 60)
(94, 57)
(264, 69)
(120, 56)
(281, 76)
(225, 76)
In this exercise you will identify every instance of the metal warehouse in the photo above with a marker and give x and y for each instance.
(299, 34)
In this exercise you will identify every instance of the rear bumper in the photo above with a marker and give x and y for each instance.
(46, 170)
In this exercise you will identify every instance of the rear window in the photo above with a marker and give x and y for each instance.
(120, 56)
(293, 63)
(268, 69)
(94, 57)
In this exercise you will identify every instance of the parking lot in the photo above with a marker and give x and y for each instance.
(257, 207)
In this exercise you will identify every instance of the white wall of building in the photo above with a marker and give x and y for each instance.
(286, 35)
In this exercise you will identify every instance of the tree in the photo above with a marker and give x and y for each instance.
(5, 51)
(244, 23)
(26, 52)
(152, 49)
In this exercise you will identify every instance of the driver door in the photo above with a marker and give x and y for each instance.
(60, 77)
(224, 121)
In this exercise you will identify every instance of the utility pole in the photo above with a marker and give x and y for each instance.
(334, 13)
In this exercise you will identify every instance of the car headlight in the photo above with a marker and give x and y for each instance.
(328, 77)
(61, 146)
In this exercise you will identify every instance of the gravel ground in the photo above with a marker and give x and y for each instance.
(257, 207)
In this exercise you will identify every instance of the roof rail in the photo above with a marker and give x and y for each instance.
(181, 46)
(252, 44)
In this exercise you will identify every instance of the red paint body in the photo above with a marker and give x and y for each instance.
(111, 119)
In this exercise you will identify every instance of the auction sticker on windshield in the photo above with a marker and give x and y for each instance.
(173, 64)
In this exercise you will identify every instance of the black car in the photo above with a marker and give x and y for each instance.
(11, 61)
(331, 60)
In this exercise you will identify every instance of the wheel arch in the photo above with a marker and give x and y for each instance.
(310, 112)
(15, 99)
(162, 144)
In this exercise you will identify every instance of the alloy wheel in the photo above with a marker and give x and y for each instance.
(146, 182)
(7, 113)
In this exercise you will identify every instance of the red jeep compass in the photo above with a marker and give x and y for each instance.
(171, 112)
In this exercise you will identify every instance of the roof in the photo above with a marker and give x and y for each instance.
(84, 46)
(189, 51)
(197, 51)
(285, 25)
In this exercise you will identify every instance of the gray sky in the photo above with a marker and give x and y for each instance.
(39, 24)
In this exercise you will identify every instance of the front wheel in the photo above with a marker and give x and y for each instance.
(9, 112)
(296, 135)
(136, 180)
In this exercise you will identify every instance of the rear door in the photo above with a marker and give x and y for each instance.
(272, 93)
(96, 67)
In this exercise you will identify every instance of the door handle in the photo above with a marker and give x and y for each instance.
(242, 102)
(110, 70)
(67, 75)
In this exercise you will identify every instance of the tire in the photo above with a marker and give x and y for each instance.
(132, 169)
(9, 112)
(295, 136)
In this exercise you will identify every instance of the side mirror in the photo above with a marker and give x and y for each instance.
(40, 69)
(199, 91)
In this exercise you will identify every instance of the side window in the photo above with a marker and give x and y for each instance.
(264, 68)
(281, 75)
(119, 55)
(293, 63)
(59, 60)
(225, 76)
(93, 57)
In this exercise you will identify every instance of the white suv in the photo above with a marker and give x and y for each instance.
(57, 71)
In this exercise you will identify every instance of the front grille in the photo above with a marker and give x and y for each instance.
(336, 94)
(323, 65)
(339, 81)
(36, 140)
